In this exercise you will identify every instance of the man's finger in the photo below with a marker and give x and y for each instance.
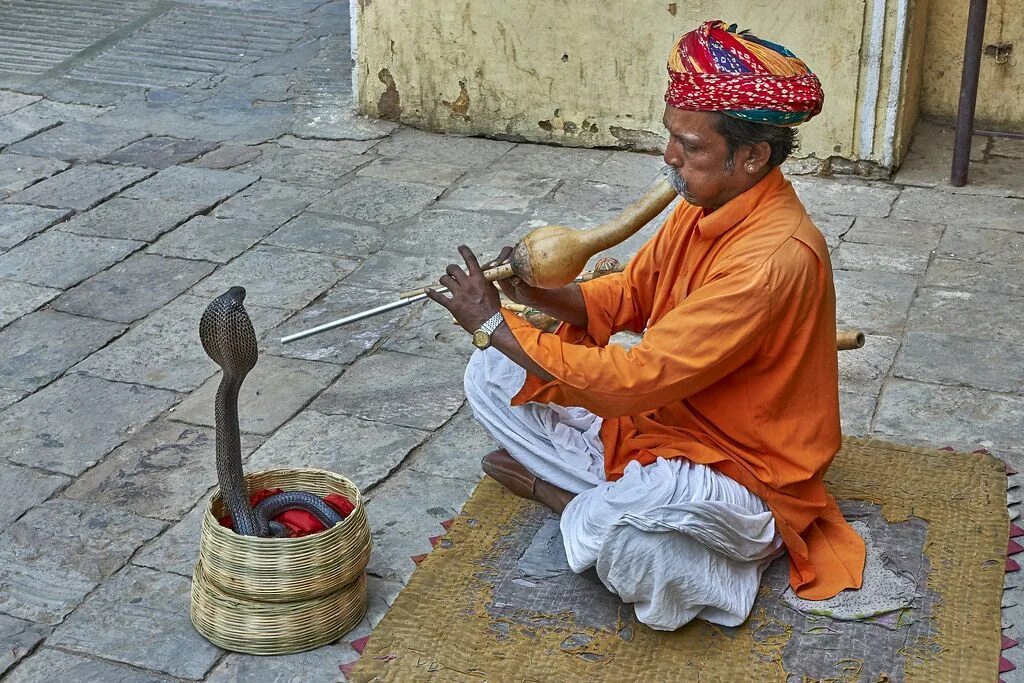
(437, 296)
(471, 263)
(455, 272)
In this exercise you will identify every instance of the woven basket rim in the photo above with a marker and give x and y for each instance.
(339, 528)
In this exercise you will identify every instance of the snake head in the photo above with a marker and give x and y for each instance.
(227, 333)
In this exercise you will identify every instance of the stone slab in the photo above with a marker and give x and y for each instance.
(872, 301)
(930, 155)
(311, 167)
(863, 370)
(349, 147)
(958, 209)
(24, 488)
(12, 101)
(228, 156)
(59, 259)
(847, 198)
(315, 666)
(394, 271)
(177, 549)
(498, 191)
(441, 231)
(81, 187)
(543, 161)
(160, 472)
(960, 417)
(454, 451)
(343, 345)
(17, 638)
(856, 411)
(383, 202)
(920, 237)
(412, 171)
(9, 397)
(326, 234)
(365, 452)
(73, 423)
(1007, 147)
(53, 556)
(987, 246)
(277, 277)
(833, 227)
(49, 665)
(77, 141)
(24, 123)
(18, 171)
(430, 332)
(336, 123)
(164, 349)
(399, 389)
(404, 513)
(628, 168)
(19, 222)
(880, 257)
(269, 203)
(417, 145)
(200, 187)
(999, 278)
(965, 338)
(159, 152)
(211, 239)
(274, 391)
(140, 617)
(131, 219)
(40, 346)
(133, 288)
(19, 298)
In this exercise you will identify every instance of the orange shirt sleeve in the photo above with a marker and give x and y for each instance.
(705, 337)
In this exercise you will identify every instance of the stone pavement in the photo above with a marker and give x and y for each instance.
(156, 152)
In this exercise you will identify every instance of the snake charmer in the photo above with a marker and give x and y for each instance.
(683, 465)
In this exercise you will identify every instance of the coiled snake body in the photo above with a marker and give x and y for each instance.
(229, 339)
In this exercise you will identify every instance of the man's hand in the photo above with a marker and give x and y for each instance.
(473, 299)
(513, 287)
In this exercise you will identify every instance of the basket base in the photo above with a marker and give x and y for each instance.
(274, 628)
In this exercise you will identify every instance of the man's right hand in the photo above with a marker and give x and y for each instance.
(513, 287)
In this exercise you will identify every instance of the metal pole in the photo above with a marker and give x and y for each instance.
(401, 303)
(968, 92)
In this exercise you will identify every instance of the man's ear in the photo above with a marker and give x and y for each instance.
(757, 156)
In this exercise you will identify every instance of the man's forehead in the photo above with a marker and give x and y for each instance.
(686, 124)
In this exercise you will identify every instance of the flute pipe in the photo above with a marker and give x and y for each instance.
(584, 277)
(355, 317)
(491, 274)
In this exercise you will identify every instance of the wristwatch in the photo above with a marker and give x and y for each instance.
(482, 337)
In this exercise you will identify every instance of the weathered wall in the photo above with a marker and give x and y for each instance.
(1001, 88)
(592, 73)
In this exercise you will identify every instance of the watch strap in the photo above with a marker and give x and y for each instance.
(492, 323)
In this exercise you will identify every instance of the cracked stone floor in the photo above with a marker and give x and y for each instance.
(164, 151)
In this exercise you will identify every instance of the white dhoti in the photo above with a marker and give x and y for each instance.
(675, 538)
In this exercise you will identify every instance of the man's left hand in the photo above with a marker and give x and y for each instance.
(473, 299)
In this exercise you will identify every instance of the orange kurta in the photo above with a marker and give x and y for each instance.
(737, 368)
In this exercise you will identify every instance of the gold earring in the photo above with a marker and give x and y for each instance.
(751, 169)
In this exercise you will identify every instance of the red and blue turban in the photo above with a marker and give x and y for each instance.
(717, 68)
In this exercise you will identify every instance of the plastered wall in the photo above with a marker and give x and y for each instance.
(592, 72)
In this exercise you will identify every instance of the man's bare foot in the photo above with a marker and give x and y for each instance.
(507, 471)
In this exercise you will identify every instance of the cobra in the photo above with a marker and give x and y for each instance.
(229, 339)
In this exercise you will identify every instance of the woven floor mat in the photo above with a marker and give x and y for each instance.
(496, 601)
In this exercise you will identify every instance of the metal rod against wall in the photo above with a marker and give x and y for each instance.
(1000, 134)
(968, 92)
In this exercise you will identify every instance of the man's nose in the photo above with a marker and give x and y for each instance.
(672, 156)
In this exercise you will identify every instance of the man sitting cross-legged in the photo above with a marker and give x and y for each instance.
(683, 465)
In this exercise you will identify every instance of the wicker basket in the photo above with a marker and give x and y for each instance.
(274, 628)
(287, 570)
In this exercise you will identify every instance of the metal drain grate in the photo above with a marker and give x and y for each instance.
(37, 35)
(188, 44)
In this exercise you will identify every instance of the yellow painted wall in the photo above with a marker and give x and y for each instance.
(1001, 88)
(592, 72)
